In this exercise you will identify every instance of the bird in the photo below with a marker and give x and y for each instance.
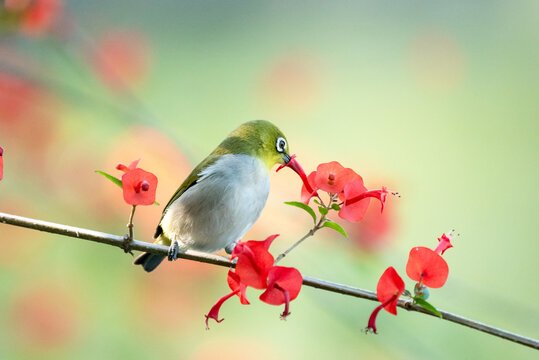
(223, 196)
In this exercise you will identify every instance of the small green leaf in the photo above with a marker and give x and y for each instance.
(335, 226)
(156, 203)
(407, 293)
(111, 178)
(317, 202)
(427, 306)
(304, 207)
(323, 210)
(336, 207)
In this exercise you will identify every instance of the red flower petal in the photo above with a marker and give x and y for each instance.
(371, 327)
(332, 177)
(214, 311)
(284, 285)
(426, 266)
(131, 166)
(307, 194)
(133, 187)
(234, 283)
(254, 262)
(389, 288)
(354, 211)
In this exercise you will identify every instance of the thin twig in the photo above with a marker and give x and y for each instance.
(311, 232)
(130, 223)
(118, 241)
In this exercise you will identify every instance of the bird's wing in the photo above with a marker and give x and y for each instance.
(189, 182)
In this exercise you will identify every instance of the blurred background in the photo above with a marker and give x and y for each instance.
(437, 100)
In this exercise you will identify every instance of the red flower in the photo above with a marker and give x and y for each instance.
(427, 267)
(255, 268)
(444, 243)
(1, 163)
(389, 288)
(254, 262)
(139, 187)
(332, 177)
(284, 285)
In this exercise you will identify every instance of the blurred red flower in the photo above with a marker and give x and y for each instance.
(389, 288)
(427, 267)
(122, 59)
(44, 317)
(36, 17)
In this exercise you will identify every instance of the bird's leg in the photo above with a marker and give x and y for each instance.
(173, 251)
(230, 247)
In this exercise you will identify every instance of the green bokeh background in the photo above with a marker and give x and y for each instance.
(437, 100)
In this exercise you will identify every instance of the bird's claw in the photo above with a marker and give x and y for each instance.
(126, 246)
(173, 251)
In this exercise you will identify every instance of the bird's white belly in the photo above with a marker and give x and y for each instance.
(221, 207)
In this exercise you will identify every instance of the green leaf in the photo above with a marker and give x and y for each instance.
(156, 203)
(407, 293)
(335, 226)
(323, 210)
(317, 202)
(111, 178)
(304, 207)
(427, 306)
(336, 207)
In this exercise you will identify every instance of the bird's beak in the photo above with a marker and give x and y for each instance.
(286, 158)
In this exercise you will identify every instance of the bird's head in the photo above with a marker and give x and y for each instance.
(258, 138)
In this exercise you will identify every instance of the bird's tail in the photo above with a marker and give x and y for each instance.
(149, 261)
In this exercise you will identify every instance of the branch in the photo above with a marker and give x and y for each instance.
(118, 241)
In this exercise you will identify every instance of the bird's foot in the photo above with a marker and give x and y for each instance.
(173, 251)
(126, 245)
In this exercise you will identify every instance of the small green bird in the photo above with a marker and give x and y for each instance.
(223, 196)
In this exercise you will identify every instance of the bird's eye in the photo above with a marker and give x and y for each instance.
(280, 145)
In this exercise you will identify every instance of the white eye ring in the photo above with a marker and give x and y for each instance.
(280, 145)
